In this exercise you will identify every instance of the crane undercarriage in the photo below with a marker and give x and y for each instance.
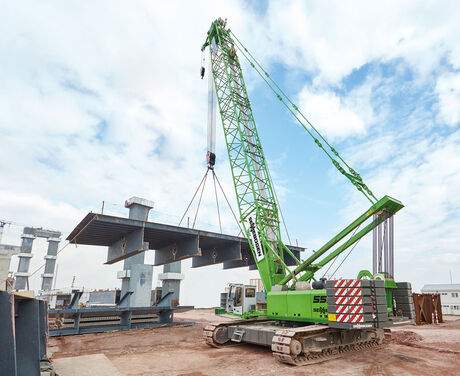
(292, 344)
(307, 326)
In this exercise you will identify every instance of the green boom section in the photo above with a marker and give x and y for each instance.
(387, 204)
(254, 192)
(253, 187)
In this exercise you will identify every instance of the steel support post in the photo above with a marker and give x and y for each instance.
(23, 336)
(7, 338)
(50, 261)
(391, 244)
(374, 247)
(379, 249)
(385, 241)
(22, 275)
(171, 278)
(136, 276)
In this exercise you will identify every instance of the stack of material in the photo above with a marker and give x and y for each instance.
(356, 304)
(404, 300)
(427, 309)
(96, 320)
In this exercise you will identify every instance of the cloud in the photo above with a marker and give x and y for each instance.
(425, 176)
(333, 39)
(448, 90)
(103, 105)
(337, 116)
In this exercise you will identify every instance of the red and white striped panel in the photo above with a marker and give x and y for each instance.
(348, 300)
(350, 318)
(348, 309)
(355, 300)
(345, 291)
(356, 318)
(347, 283)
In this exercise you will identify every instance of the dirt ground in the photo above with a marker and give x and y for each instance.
(180, 351)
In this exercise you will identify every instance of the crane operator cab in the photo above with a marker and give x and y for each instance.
(240, 299)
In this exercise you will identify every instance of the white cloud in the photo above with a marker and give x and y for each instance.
(333, 117)
(448, 90)
(103, 104)
(338, 117)
(332, 39)
(425, 176)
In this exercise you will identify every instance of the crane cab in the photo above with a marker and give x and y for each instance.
(241, 300)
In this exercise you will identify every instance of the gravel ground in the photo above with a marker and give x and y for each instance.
(413, 350)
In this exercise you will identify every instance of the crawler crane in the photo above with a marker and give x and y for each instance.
(306, 320)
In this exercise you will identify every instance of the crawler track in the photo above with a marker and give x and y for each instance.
(212, 334)
(288, 344)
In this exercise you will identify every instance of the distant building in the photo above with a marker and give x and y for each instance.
(450, 297)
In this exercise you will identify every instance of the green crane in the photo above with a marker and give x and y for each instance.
(253, 187)
(289, 296)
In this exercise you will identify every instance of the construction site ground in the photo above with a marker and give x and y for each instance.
(412, 350)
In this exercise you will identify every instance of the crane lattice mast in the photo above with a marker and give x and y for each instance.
(259, 213)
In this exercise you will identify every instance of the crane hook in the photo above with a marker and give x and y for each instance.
(203, 60)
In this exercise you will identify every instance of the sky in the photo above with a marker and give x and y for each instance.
(102, 101)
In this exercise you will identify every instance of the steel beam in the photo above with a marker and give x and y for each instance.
(178, 250)
(228, 251)
(171, 243)
(23, 334)
(7, 340)
(129, 245)
(125, 315)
